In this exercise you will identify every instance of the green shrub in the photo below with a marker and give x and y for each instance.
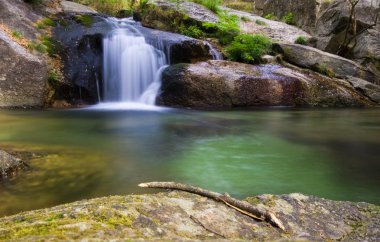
(191, 31)
(289, 19)
(226, 29)
(301, 40)
(37, 47)
(249, 48)
(259, 22)
(270, 16)
(85, 19)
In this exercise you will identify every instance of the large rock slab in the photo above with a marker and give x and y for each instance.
(179, 216)
(313, 58)
(23, 76)
(224, 84)
(9, 165)
(72, 7)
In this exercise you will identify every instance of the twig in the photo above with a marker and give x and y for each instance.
(206, 228)
(241, 206)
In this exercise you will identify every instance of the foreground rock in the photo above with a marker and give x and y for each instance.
(184, 216)
(9, 165)
(312, 58)
(224, 84)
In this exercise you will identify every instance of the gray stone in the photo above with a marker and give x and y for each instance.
(368, 89)
(9, 165)
(308, 57)
(225, 84)
(72, 7)
(23, 77)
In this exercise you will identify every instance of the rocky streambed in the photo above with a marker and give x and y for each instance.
(185, 216)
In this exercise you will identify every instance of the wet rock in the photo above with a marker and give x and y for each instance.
(224, 84)
(184, 216)
(321, 61)
(9, 165)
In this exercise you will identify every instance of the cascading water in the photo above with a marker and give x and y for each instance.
(132, 67)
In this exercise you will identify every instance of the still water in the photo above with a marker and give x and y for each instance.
(81, 154)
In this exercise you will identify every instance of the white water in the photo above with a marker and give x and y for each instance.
(132, 67)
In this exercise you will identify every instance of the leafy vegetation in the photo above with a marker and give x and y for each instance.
(192, 31)
(301, 40)
(226, 29)
(249, 48)
(289, 19)
(16, 34)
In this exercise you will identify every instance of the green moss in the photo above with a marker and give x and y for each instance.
(85, 19)
(225, 30)
(259, 22)
(240, 5)
(212, 5)
(323, 69)
(245, 19)
(253, 200)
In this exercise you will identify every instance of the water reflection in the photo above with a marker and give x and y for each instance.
(82, 154)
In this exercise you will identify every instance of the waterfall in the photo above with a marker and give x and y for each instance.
(132, 67)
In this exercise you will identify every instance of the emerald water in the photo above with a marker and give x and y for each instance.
(81, 154)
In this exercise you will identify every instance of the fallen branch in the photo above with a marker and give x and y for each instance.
(241, 206)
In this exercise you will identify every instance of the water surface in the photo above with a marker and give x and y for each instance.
(88, 153)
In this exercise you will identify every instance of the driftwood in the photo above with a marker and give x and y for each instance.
(241, 206)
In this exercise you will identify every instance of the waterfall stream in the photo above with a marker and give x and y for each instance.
(131, 66)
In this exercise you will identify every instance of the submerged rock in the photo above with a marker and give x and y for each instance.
(184, 216)
(225, 84)
(9, 165)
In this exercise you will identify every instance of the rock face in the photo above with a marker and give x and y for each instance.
(9, 165)
(83, 54)
(330, 31)
(224, 84)
(305, 11)
(178, 216)
(73, 7)
(23, 76)
(312, 58)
